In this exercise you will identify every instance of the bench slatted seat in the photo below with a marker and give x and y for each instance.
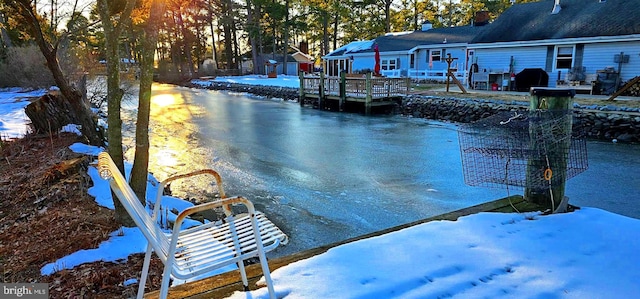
(189, 252)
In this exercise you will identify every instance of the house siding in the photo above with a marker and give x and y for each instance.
(598, 56)
(498, 59)
(422, 60)
(292, 69)
(594, 57)
(361, 63)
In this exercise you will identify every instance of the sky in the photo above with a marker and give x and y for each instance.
(589, 253)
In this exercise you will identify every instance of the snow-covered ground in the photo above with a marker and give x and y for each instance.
(589, 253)
(281, 80)
(12, 117)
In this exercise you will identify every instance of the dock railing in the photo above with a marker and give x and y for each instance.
(367, 89)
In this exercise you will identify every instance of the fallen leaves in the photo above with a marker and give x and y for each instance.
(46, 214)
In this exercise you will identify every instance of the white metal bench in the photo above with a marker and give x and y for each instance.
(187, 253)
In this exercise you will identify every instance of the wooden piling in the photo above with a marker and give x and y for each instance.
(321, 98)
(554, 163)
(301, 95)
(368, 98)
(343, 90)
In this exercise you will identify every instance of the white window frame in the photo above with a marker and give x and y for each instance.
(388, 64)
(434, 55)
(564, 57)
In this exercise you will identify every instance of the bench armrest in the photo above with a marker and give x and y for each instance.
(163, 184)
(212, 205)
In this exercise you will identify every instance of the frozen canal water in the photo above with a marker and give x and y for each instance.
(325, 176)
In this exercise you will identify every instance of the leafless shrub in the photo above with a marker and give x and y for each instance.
(25, 67)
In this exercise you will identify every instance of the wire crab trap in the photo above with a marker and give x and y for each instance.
(530, 149)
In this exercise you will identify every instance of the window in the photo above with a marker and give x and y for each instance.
(564, 57)
(388, 64)
(412, 62)
(436, 55)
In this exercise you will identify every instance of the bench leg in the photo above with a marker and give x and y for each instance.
(145, 272)
(243, 274)
(236, 245)
(267, 273)
(166, 277)
(263, 258)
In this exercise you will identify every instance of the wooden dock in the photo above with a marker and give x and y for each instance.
(336, 93)
(225, 284)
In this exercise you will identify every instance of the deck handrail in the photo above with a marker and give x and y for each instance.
(355, 87)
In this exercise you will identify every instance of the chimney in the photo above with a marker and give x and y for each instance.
(556, 8)
(482, 18)
(426, 25)
(304, 47)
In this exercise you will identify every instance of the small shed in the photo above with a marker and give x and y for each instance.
(270, 67)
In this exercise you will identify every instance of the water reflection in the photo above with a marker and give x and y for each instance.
(173, 139)
(163, 100)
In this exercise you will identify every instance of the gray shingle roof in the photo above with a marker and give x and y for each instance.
(577, 18)
(462, 34)
(404, 42)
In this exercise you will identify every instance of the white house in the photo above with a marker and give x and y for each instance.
(582, 37)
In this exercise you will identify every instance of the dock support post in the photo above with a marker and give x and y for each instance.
(554, 164)
(367, 101)
(321, 92)
(408, 85)
(301, 96)
(343, 90)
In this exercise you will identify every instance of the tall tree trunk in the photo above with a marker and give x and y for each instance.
(254, 31)
(261, 57)
(336, 21)
(213, 37)
(387, 15)
(228, 39)
(325, 33)
(149, 41)
(415, 16)
(285, 38)
(198, 50)
(114, 93)
(176, 48)
(187, 63)
(5, 41)
(237, 56)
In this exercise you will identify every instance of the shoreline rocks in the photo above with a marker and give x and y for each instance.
(286, 93)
